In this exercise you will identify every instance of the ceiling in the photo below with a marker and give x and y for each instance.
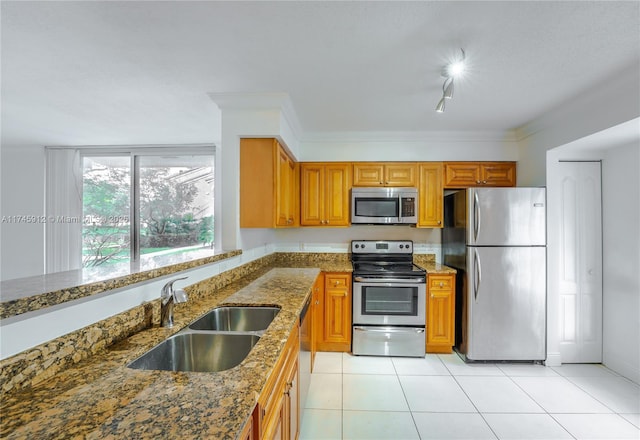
(79, 73)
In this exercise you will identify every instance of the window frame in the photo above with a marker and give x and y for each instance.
(57, 259)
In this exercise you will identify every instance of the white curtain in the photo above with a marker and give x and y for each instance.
(63, 232)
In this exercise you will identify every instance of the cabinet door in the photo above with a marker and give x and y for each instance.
(292, 400)
(312, 194)
(337, 178)
(285, 189)
(336, 322)
(498, 173)
(430, 195)
(368, 174)
(400, 174)
(461, 174)
(440, 314)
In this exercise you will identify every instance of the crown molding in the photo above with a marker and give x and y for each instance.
(280, 101)
(410, 136)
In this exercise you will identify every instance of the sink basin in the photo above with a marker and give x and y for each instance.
(236, 319)
(202, 352)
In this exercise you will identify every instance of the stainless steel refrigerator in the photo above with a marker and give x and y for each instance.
(496, 239)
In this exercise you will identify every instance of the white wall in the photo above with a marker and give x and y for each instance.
(605, 105)
(621, 259)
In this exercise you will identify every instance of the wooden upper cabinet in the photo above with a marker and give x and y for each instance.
(498, 173)
(269, 185)
(324, 194)
(385, 174)
(430, 197)
(467, 174)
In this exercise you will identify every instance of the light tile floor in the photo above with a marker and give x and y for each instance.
(440, 397)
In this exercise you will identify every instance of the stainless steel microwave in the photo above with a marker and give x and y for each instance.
(384, 206)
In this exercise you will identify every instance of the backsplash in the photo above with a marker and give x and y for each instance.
(42, 362)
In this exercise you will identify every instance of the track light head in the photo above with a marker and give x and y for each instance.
(452, 70)
(447, 91)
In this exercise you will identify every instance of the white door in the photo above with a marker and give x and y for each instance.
(580, 271)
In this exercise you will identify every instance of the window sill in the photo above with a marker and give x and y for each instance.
(24, 295)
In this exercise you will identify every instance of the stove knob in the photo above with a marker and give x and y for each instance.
(363, 246)
(357, 246)
(401, 246)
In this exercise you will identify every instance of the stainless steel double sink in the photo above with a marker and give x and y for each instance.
(219, 340)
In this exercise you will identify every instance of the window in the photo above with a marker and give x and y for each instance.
(145, 203)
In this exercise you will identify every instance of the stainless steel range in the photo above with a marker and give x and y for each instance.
(389, 299)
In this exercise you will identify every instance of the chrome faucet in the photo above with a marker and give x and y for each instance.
(168, 298)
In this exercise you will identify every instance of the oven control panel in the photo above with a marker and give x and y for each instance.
(382, 246)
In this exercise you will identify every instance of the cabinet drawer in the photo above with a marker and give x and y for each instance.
(336, 281)
(440, 282)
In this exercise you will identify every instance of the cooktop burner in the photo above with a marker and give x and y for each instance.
(393, 258)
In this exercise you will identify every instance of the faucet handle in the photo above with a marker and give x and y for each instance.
(169, 284)
(167, 289)
(180, 296)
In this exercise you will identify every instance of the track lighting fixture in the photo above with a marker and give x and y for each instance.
(449, 72)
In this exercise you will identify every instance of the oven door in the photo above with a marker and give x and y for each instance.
(380, 301)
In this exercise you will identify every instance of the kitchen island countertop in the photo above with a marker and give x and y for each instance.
(101, 398)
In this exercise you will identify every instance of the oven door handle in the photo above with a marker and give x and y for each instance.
(388, 330)
(390, 280)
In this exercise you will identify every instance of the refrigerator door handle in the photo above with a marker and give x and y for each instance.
(477, 278)
(476, 216)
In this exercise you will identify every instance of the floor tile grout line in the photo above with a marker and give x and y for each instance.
(415, 424)
(477, 410)
(591, 395)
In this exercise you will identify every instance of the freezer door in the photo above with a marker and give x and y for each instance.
(506, 216)
(506, 303)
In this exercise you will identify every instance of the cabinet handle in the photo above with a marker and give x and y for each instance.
(441, 284)
(478, 182)
(439, 222)
(317, 302)
(484, 182)
(381, 183)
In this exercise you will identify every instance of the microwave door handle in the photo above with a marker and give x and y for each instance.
(399, 209)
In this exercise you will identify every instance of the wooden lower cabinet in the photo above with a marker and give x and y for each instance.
(440, 313)
(333, 312)
(278, 409)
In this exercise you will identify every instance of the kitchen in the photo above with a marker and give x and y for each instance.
(579, 128)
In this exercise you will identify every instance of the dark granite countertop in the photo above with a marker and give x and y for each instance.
(101, 398)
